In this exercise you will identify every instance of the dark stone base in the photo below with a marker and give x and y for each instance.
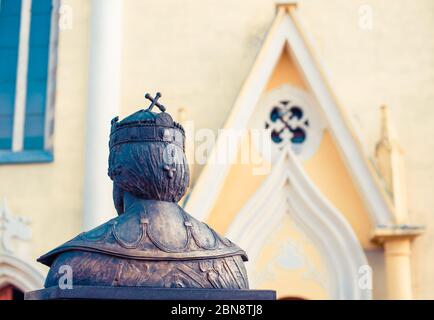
(142, 293)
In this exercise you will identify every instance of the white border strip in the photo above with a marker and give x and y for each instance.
(21, 80)
(51, 75)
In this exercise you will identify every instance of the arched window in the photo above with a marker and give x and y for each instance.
(10, 292)
(17, 277)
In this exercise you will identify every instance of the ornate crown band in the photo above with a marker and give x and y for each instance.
(147, 126)
(147, 133)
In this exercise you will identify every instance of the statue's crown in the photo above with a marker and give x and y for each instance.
(147, 126)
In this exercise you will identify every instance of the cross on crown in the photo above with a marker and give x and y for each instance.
(154, 102)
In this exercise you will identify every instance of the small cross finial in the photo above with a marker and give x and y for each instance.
(154, 102)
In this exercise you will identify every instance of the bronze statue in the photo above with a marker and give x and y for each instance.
(153, 242)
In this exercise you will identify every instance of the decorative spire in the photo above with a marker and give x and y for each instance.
(390, 164)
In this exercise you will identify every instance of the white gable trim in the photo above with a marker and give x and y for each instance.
(288, 190)
(347, 142)
(286, 31)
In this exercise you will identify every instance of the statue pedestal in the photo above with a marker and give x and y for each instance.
(142, 293)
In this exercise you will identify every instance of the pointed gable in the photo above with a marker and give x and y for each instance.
(287, 59)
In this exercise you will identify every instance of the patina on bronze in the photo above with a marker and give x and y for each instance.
(153, 243)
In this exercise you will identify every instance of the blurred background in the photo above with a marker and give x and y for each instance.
(345, 212)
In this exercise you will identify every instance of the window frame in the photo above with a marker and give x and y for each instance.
(17, 154)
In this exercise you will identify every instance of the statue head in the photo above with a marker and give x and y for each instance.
(147, 157)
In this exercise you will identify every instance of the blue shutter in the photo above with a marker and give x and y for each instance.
(10, 11)
(39, 46)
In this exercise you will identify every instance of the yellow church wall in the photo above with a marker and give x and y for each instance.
(239, 186)
(285, 72)
(327, 170)
(50, 194)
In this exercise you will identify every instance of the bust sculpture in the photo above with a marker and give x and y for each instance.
(153, 242)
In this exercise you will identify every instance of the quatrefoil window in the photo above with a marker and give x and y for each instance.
(288, 118)
(287, 123)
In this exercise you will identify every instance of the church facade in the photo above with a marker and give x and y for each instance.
(308, 128)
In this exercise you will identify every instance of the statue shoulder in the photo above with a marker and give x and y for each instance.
(155, 233)
(80, 242)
